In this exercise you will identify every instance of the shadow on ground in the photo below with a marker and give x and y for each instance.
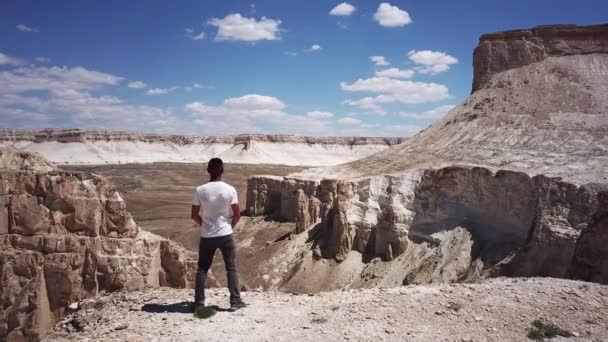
(184, 307)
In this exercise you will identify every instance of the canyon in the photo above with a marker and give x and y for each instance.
(511, 183)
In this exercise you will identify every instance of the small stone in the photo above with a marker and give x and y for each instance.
(576, 334)
(478, 319)
(121, 327)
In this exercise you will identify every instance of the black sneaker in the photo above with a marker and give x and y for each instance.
(197, 306)
(238, 305)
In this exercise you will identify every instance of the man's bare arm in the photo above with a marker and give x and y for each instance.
(236, 214)
(195, 214)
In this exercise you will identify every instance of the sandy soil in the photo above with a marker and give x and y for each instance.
(497, 310)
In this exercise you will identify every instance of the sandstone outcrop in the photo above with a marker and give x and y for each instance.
(520, 225)
(591, 254)
(502, 51)
(66, 236)
(12, 159)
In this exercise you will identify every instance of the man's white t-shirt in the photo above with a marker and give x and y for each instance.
(215, 199)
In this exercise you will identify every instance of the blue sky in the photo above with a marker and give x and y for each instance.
(226, 67)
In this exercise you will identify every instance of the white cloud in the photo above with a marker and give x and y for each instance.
(398, 90)
(388, 15)
(433, 62)
(25, 28)
(67, 100)
(314, 48)
(235, 27)
(395, 73)
(190, 34)
(369, 103)
(343, 9)
(196, 85)
(319, 115)
(8, 60)
(137, 85)
(379, 60)
(349, 121)
(42, 59)
(161, 91)
(247, 106)
(402, 130)
(290, 53)
(435, 113)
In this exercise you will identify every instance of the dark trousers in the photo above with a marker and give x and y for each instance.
(206, 250)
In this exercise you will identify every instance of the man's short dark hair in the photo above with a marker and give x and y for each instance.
(215, 167)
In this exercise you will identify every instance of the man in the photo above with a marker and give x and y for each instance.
(215, 207)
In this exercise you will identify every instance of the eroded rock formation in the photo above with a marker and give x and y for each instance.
(502, 51)
(67, 236)
(520, 225)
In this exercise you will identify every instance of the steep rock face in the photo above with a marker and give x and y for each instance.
(591, 254)
(110, 147)
(517, 224)
(502, 51)
(64, 237)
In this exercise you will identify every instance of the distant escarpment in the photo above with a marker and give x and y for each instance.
(77, 146)
(506, 50)
(67, 236)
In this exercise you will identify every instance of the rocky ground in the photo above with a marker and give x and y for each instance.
(496, 310)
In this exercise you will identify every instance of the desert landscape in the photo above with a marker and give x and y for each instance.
(491, 224)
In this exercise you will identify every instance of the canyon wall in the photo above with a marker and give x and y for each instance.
(66, 236)
(511, 182)
(108, 147)
(520, 225)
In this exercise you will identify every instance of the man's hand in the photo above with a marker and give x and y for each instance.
(195, 214)
(236, 214)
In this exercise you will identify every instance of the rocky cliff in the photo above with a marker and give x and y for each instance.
(501, 51)
(511, 182)
(111, 147)
(66, 236)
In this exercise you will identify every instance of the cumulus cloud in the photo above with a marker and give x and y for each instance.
(343, 9)
(431, 62)
(37, 97)
(395, 73)
(42, 59)
(349, 121)
(246, 106)
(25, 28)
(137, 85)
(319, 115)
(248, 113)
(8, 60)
(314, 48)
(161, 91)
(435, 113)
(399, 90)
(379, 60)
(388, 15)
(235, 27)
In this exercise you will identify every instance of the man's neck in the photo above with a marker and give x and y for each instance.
(216, 179)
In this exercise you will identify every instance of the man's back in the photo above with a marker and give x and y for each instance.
(215, 199)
